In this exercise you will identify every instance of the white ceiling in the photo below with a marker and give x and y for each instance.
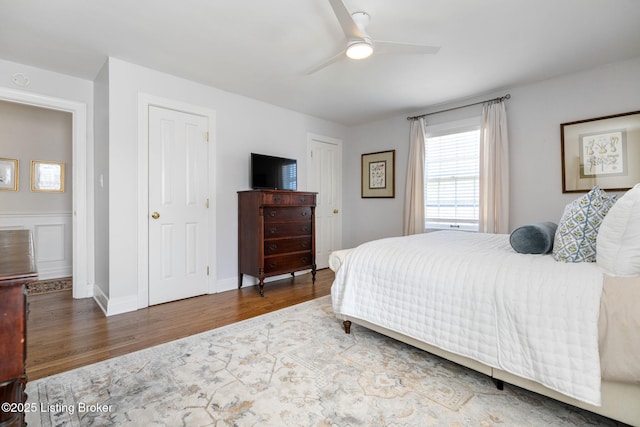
(262, 49)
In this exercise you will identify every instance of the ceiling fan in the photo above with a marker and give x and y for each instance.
(359, 43)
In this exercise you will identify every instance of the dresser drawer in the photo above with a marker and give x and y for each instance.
(282, 246)
(292, 213)
(286, 263)
(287, 229)
(303, 199)
(276, 198)
(288, 199)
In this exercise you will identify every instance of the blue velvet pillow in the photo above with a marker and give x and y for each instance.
(534, 238)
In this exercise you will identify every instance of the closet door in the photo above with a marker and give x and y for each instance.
(178, 204)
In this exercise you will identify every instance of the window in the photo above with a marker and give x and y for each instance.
(452, 169)
(290, 176)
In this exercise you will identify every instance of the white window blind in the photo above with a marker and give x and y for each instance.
(290, 176)
(451, 191)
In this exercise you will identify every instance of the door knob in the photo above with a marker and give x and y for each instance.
(335, 211)
(155, 215)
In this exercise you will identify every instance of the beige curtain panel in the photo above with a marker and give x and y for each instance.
(414, 190)
(494, 169)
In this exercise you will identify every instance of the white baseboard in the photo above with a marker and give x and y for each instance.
(55, 273)
(223, 285)
(122, 305)
(100, 298)
(231, 283)
(83, 290)
(113, 306)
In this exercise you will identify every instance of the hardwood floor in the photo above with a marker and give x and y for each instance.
(63, 333)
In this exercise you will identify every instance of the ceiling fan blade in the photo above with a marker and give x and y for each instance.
(347, 23)
(386, 47)
(326, 63)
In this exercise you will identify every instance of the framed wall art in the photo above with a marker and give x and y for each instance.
(604, 151)
(9, 174)
(378, 174)
(47, 176)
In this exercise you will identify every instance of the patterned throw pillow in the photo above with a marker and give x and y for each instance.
(575, 239)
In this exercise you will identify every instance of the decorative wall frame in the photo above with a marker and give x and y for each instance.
(9, 174)
(604, 151)
(47, 177)
(378, 174)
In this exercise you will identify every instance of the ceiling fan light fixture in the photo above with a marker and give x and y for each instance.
(360, 50)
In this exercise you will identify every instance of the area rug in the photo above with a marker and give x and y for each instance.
(47, 286)
(293, 367)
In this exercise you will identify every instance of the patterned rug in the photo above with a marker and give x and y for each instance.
(52, 285)
(293, 367)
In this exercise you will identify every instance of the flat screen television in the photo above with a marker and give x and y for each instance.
(273, 173)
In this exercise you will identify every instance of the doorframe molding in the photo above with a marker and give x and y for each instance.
(82, 237)
(145, 101)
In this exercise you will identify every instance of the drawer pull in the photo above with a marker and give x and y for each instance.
(304, 213)
(303, 199)
(272, 214)
(273, 230)
(305, 228)
(277, 199)
(304, 245)
(304, 259)
(273, 248)
(273, 265)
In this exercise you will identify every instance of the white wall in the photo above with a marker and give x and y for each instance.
(535, 112)
(242, 125)
(368, 219)
(101, 180)
(33, 133)
(47, 83)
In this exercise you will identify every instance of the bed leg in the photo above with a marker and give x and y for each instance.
(499, 383)
(347, 326)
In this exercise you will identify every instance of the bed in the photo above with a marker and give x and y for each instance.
(566, 330)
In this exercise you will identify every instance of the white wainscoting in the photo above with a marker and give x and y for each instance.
(52, 237)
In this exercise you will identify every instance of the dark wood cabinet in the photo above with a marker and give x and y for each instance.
(17, 268)
(276, 233)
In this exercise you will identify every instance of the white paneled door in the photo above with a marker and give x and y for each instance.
(178, 204)
(325, 177)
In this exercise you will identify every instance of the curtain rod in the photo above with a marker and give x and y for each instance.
(500, 98)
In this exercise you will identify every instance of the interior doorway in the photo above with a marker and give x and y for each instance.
(325, 178)
(82, 245)
(36, 139)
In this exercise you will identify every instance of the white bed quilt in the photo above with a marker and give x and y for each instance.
(473, 295)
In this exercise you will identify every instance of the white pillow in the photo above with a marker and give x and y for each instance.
(618, 242)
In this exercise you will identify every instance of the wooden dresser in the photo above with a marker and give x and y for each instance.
(276, 233)
(17, 268)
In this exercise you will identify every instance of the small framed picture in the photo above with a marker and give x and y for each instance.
(47, 177)
(9, 174)
(604, 151)
(378, 174)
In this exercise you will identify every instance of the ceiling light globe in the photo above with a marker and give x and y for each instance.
(359, 50)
